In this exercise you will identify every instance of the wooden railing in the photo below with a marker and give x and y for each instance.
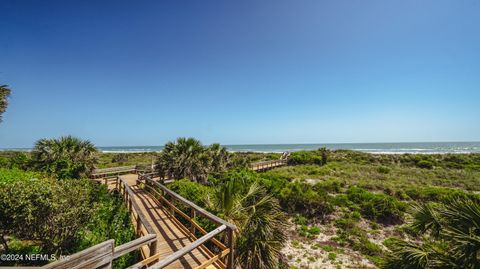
(168, 199)
(261, 166)
(141, 225)
(113, 172)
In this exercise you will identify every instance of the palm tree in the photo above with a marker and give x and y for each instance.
(188, 158)
(260, 222)
(4, 94)
(451, 237)
(65, 157)
(220, 158)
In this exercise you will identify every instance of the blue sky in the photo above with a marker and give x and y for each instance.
(239, 72)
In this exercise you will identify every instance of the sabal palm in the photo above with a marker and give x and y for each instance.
(219, 158)
(4, 94)
(188, 158)
(452, 237)
(66, 156)
(260, 222)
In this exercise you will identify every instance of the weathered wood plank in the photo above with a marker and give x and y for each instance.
(133, 245)
(97, 255)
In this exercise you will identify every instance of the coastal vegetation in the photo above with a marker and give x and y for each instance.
(48, 206)
(326, 209)
(188, 158)
(4, 94)
(65, 157)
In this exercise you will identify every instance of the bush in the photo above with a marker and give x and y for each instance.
(193, 191)
(40, 210)
(14, 159)
(308, 157)
(62, 217)
(300, 197)
(12, 175)
(383, 170)
(438, 194)
(379, 207)
(424, 164)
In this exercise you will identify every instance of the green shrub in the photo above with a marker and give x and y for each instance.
(425, 164)
(379, 207)
(11, 175)
(62, 217)
(300, 220)
(437, 194)
(314, 230)
(332, 185)
(193, 191)
(299, 197)
(383, 170)
(308, 157)
(332, 256)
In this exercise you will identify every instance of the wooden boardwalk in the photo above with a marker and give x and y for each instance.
(166, 225)
(171, 236)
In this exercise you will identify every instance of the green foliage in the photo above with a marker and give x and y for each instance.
(425, 164)
(318, 157)
(120, 158)
(40, 210)
(451, 237)
(261, 224)
(302, 198)
(111, 220)
(60, 217)
(15, 159)
(437, 194)
(300, 220)
(332, 256)
(310, 232)
(262, 231)
(109, 159)
(65, 157)
(11, 175)
(379, 207)
(193, 191)
(4, 94)
(188, 158)
(383, 170)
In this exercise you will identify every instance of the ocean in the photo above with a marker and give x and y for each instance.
(379, 148)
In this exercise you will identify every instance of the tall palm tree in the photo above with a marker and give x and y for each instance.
(4, 94)
(451, 237)
(65, 157)
(260, 222)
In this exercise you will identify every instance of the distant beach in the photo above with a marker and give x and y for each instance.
(376, 148)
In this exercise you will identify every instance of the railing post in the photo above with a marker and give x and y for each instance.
(231, 243)
(153, 248)
(193, 215)
(139, 223)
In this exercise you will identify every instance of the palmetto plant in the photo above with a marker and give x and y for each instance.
(4, 94)
(451, 237)
(65, 157)
(188, 158)
(260, 222)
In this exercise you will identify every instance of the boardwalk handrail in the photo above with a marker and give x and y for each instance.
(190, 204)
(138, 218)
(160, 193)
(185, 250)
(100, 255)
